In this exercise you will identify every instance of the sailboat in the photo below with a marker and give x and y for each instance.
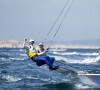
(91, 79)
(85, 77)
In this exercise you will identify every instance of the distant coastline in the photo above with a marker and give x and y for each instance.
(19, 44)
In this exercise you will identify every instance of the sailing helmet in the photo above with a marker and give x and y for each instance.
(31, 41)
(41, 45)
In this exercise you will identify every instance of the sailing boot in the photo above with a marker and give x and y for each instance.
(54, 67)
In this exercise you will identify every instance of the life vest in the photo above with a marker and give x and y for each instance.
(40, 51)
(37, 48)
(30, 53)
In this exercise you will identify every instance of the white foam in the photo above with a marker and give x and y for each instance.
(2, 58)
(16, 58)
(90, 54)
(47, 79)
(22, 50)
(58, 49)
(10, 78)
(91, 60)
(23, 54)
(75, 53)
(65, 53)
(84, 61)
(80, 86)
(42, 79)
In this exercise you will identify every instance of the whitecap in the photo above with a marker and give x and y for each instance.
(23, 54)
(80, 86)
(42, 79)
(91, 60)
(58, 49)
(75, 53)
(84, 61)
(11, 78)
(90, 54)
(2, 58)
(65, 53)
(16, 58)
(22, 50)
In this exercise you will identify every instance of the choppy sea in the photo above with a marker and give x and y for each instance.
(18, 72)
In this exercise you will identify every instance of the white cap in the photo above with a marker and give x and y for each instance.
(41, 44)
(31, 41)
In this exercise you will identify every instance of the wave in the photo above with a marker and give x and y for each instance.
(16, 59)
(3, 59)
(42, 79)
(48, 79)
(23, 54)
(4, 56)
(22, 50)
(14, 50)
(65, 53)
(75, 53)
(58, 50)
(60, 86)
(84, 61)
(11, 78)
(3, 71)
(80, 86)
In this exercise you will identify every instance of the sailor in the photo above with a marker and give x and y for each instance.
(40, 60)
(41, 50)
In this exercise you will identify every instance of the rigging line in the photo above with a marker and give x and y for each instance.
(62, 21)
(69, 69)
(56, 20)
(71, 66)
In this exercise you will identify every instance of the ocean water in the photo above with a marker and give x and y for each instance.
(18, 72)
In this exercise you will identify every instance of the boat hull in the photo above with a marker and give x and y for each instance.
(91, 79)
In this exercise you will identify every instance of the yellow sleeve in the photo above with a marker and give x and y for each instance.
(25, 50)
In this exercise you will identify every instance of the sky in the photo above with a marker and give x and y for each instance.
(32, 19)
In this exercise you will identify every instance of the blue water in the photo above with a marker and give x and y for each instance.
(18, 72)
